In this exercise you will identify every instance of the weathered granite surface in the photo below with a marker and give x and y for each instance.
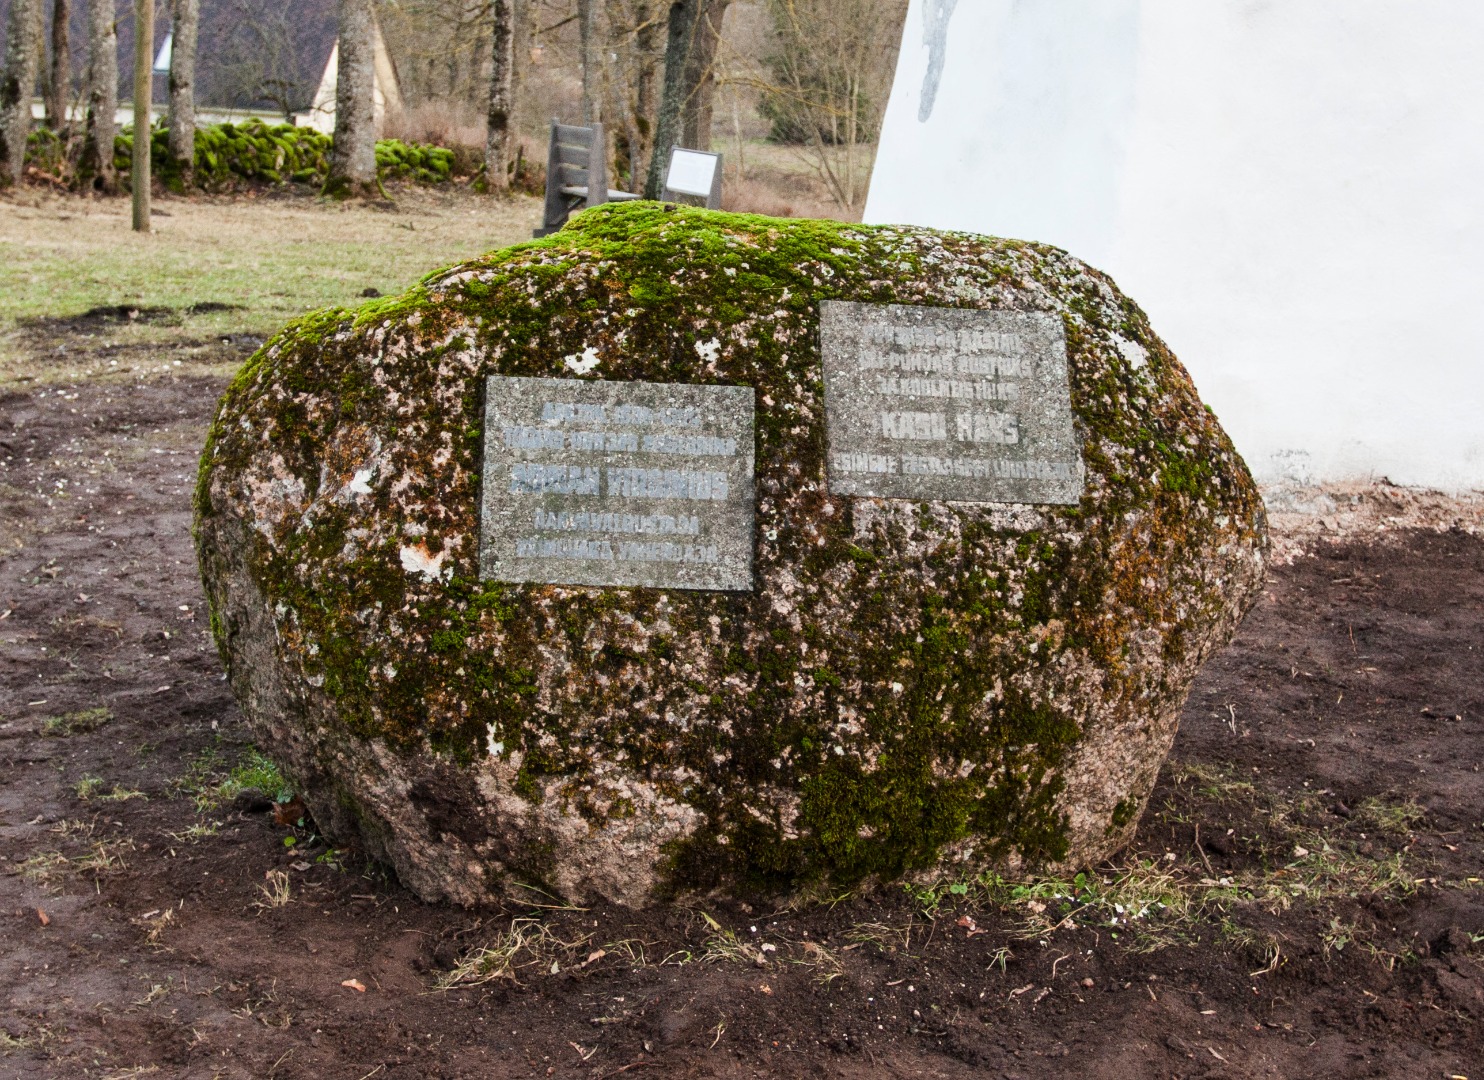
(910, 689)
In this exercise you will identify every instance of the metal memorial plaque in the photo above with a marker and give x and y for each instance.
(948, 404)
(617, 483)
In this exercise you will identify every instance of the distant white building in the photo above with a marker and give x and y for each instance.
(1293, 191)
(321, 113)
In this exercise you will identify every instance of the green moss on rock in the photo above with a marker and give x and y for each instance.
(911, 684)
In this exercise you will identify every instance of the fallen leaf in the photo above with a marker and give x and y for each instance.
(594, 956)
(766, 989)
(44, 917)
(300, 866)
(967, 922)
(289, 812)
(354, 984)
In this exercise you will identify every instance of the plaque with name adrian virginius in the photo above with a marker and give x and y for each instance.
(948, 404)
(617, 483)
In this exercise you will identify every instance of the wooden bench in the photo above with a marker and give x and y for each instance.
(576, 174)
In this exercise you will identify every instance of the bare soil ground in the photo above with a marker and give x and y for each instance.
(1303, 897)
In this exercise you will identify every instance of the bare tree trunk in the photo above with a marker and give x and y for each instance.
(22, 46)
(587, 37)
(677, 50)
(96, 166)
(633, 33)
(144, 100)
(186, 18)
(700, 80)
(502, 95)
(353, 158)
(59, 77)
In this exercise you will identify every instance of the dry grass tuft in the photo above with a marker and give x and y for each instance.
(276, 893)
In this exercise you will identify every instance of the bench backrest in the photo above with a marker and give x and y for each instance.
(577, 158)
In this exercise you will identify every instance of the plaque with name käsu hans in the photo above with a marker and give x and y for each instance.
(948, 404)
(617, 483)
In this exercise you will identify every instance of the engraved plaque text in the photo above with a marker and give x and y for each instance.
(948, 404)
(617, 483)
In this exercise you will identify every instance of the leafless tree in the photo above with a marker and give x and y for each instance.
(634, 44)
(96, 165)
(22, 47)
(827, 83)
(186, 17)
(59, 74)
(140, 180)
(681, 24)
(502, 86)
(440, 47)
(700, 75)
(353, 159)
(592, 65)
(257, 60)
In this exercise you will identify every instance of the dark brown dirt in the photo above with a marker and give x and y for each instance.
(1325, 787)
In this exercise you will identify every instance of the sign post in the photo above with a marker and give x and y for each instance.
(694, 172)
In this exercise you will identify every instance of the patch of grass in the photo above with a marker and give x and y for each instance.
(269, 260)
(75, 723)
(46, 868)
(158, 925)
(1398, 818)
(1150, 903)
(34, 1039)
(1326, 873)
(1214, 782)
(196, 832)
(211, 783)
(91, 787)
(276, 893)
(825, 964)
(254, 772)
(528, 945)
(105, 857)
(50, 868)
(122, 794)
(883, 937)
(1146, 900)
(156, 992)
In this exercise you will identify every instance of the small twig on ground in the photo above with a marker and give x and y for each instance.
(1202, 852)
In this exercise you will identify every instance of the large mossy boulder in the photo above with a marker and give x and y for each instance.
(911, 688)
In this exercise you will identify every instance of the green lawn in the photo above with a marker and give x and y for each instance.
(270, 258)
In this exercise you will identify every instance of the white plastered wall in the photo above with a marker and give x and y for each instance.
(1292, 189)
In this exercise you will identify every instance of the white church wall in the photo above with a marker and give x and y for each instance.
(1293, 191)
